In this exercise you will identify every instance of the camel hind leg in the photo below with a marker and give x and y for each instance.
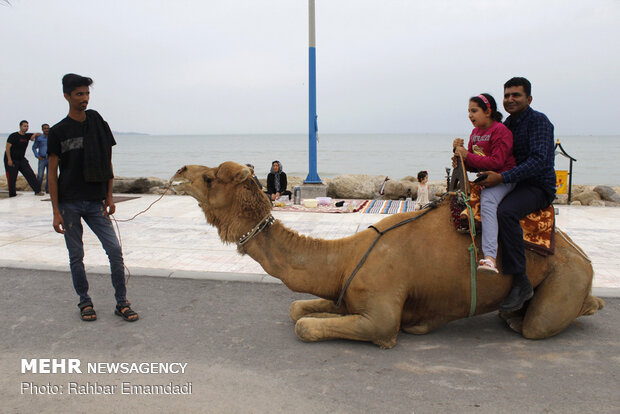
(561, 298)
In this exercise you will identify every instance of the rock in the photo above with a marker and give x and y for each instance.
(607, 193)
(597, 203)
(575, 203)
(586, 197)
(395, 189)
(355, 186)
(141, 185)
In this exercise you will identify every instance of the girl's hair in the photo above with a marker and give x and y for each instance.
(478, 100)
(422, 175)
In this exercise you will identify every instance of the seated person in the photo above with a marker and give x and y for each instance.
(489, 149)
(276, 182)
(422, 199)
(256, 180)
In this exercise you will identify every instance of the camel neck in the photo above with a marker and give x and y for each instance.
(302, 263)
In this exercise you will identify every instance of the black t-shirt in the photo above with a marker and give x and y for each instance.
(66, 139)
(19, 144)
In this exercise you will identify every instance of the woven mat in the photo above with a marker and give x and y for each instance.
(386, 206)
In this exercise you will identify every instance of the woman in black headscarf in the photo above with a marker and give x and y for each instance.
(276, 182)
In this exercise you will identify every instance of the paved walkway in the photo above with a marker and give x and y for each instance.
(172, 239)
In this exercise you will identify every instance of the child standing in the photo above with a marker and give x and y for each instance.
(489, 149)
(422, 198)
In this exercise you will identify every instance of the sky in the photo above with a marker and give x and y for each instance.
(241, 66)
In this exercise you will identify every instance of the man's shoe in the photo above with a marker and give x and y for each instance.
(40, 193)
(519, 294)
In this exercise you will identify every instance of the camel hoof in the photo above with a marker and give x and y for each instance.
(305, 331)
(296, 311)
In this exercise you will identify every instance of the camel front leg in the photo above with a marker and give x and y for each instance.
(380, 328)
(318, 308)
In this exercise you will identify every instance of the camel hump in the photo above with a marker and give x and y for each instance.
(591, 305)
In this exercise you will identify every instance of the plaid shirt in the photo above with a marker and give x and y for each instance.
(533, 149)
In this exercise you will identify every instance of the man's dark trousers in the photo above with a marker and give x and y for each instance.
(20, 166)
(520, 202)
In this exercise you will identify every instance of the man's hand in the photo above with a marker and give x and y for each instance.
(59, 224)
(492, 179)
(41, 158)
(9, 163)
(109, 207)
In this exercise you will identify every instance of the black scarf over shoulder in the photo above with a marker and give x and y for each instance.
(98, 141)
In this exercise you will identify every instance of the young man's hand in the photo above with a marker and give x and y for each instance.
(59, 224)
(109, 207)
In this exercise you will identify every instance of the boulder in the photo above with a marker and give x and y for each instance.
(141, 185)
(355, 186)
(597, 203)
(575, 203)
(586, 197)
(607, 193)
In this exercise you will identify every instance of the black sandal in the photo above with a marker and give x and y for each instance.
(87, 312)
(125, 312)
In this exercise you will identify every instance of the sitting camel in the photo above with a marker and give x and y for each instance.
(417, 277)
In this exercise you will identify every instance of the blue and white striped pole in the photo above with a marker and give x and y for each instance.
(313, 176)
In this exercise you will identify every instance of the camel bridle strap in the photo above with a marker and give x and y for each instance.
(263, 224)
(428, 207)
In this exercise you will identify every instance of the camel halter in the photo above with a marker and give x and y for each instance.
(263, 224)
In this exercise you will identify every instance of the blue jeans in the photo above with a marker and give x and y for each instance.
(490, 198)
(42, 170)
(72, 213)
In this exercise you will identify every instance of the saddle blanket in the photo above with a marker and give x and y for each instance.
(538, 227)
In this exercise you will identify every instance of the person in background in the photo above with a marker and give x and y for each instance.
(276, 182)
(81, 145)
(251, 167)
(489, 148)
(15, 160)
(534, 176)
(39, 147)
(422, 198)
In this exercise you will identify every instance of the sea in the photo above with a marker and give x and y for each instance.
(391, 155)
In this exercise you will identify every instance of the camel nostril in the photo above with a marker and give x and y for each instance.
(182, 170)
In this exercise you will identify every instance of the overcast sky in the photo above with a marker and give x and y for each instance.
(241, 66)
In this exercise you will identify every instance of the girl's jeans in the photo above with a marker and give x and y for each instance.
(72, 213)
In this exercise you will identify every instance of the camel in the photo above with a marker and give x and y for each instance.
(416, 279)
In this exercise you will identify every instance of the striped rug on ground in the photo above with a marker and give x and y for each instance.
(387, 206)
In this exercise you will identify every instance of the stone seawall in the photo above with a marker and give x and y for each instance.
(356, 186)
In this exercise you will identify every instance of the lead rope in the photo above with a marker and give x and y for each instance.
(118, 230)
(473, 254)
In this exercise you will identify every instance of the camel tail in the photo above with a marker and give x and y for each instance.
(591, 305)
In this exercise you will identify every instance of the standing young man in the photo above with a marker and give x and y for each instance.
(534, 175)
(15, 160)
(82, 145)
(39, 147)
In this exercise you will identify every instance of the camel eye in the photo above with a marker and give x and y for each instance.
(207, 179)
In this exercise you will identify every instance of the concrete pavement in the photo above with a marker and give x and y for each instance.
(242, 356)
(173, 240)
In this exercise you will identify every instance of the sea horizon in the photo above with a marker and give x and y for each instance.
(394, 155)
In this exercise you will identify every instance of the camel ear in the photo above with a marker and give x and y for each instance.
(241, 175)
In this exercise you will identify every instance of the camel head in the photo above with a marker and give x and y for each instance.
(228, 195)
